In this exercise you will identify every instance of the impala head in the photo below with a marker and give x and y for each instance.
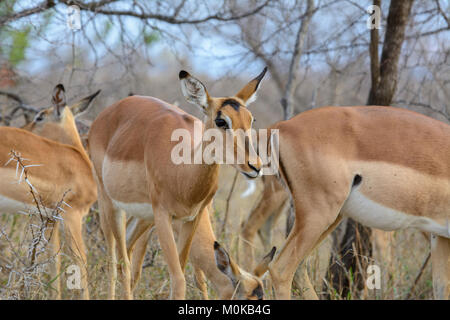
(246, 286)
(231, 116)
(58, 121)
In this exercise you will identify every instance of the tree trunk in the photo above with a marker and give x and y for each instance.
(383, 90)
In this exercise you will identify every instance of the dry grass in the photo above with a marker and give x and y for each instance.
(408, 251)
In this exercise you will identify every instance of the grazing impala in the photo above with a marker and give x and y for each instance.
(131, 149)
(55, 145)
(385, 167)
(207, 257)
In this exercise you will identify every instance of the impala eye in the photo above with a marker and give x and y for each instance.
(221, 124)
(39, 117)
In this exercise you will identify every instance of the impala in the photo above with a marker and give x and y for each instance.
(207, 257)
(272, 203)
(385, 167)
(131, 148)
(51, 141)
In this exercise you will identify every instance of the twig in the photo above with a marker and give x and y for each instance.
(225, 218)
(419, 275)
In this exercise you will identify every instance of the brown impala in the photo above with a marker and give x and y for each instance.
(52, 141)
(386, 167)
(131, 148)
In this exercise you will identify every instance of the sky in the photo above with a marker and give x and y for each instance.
(210, 53)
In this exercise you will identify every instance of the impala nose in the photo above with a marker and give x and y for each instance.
(254, 168)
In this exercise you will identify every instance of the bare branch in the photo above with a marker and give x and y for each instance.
(292, 82)
(172, 19)
(442, 13)
(43, 6)
(374, 58)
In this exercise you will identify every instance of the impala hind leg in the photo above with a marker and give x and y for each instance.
(73, 232)
(440, 265)
(53, 236)
(163, 225)
(306, 234)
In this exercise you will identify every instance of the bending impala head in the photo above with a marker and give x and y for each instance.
(246, 286)
(231, 117)
(57, 122)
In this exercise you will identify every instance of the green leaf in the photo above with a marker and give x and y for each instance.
(106, 29)
(20, 43)
(150, 37)
(7, 7)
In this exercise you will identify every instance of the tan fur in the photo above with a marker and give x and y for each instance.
(130, 147)
(64, 166)
(403, 159)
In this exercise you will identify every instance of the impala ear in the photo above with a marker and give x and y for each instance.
(262, 267)
(58, 99)
(194, 90)
(225, 264)
(83, 104)
(248, 92)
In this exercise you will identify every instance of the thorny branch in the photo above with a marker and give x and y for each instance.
(25, 273)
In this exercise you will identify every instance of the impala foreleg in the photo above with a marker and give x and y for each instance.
(52, 234)
(200, 282)
(301, 280)
(73, 231)
(138, 255)
(135, 229)
(268, 206)
(185, 239)
(186, 236)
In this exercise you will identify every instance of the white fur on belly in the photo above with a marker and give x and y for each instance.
(8, 205)
(138, 210)
(375, 215)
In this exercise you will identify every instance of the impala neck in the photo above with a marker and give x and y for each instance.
(211, 168)
(72, 137)
(64, 131)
